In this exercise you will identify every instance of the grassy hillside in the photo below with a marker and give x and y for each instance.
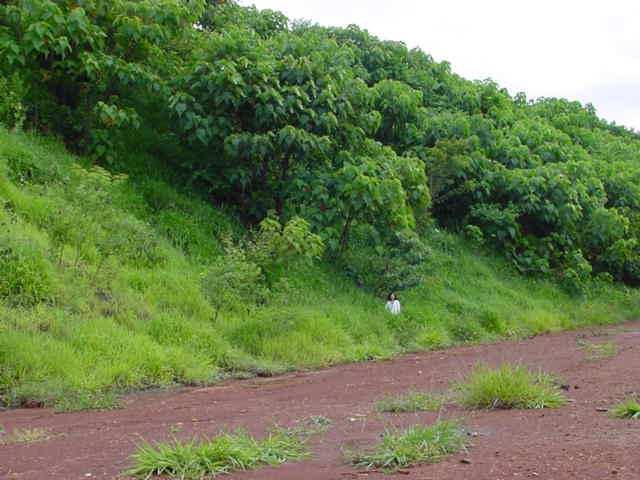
(101, 291)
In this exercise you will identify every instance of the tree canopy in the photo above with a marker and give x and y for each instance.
(366, 140)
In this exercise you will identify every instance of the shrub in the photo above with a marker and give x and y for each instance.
(234, 282)
(12, 108)
(383, 267)
(509, 387)
(277, 248)
(129, 239)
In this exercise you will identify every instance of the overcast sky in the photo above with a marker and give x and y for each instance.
(586, 50)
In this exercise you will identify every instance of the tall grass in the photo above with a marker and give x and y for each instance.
(100, 291)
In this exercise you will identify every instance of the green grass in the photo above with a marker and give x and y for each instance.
(221, 455)
(598, 351)
(415, 445)
(78, 328)
(410, 402)
(628, 409)
(509, 386)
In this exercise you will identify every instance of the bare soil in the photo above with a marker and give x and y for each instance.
(578, 441)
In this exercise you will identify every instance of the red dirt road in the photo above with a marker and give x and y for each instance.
(573, 442)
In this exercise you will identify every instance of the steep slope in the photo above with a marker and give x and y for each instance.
(101, 291)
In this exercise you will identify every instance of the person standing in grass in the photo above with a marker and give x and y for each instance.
(393, 304)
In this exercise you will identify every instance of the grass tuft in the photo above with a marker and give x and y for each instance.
(598, 351)
(509, 386)
(26, 435)
(417, 444)
(410, 402)
(221, 455)
(628, 409)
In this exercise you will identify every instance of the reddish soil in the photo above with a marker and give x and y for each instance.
(577, 441)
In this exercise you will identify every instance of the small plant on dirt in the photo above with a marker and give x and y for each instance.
(223, 454)
(26, 435)
(410, 402)
(628, 409)
(175, 428)
(598, 351)
(417, 444)
(510, 386)
(313, 425)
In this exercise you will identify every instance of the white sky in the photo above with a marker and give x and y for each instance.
(585, 50)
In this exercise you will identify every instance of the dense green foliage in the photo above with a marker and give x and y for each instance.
(411, 402)
(364, 139)
(244, 183)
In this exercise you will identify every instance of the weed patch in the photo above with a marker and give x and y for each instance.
(221, 455)
(598, 351)
(628, 409)
(418, 444)
(509, 386)
(410, 402)
(25, 435)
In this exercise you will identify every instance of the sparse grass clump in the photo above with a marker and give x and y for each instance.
(410, 402)
(315, 424)
(628, 409)
(220, 455)
(25, 435)
(418, 444)
(510, 386)
(598, 351)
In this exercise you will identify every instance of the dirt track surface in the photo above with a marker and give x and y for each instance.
(573, 442)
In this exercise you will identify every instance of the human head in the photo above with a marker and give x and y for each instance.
(392, 297)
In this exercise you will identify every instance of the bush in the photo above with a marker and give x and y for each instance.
(277, 248)
(234, 282)
(384, 267)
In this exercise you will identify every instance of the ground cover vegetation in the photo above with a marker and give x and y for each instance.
(509, 386)
(411, 401)
(241, 189)
(628, 409)
(220, 455)
(412, 446)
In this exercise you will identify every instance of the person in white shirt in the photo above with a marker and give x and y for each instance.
(393, 304)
